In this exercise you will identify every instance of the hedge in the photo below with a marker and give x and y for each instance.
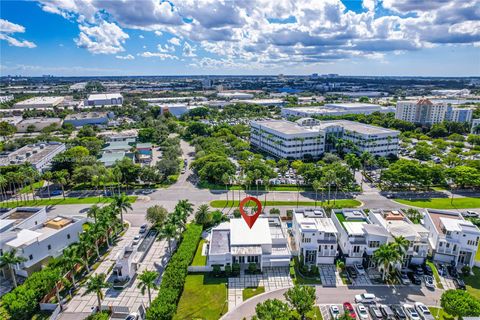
(165, 304)
(22, 302)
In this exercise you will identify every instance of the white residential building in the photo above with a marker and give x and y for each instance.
(358, 238)
(37, 238)
(452, 238)
(315, 236)
(38, 155)
(397, 224)
(104, 99)
(286, 139)
(264, 244)
(424, 111)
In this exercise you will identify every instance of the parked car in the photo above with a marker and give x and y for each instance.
(133, 316)
(143, 228)
(429, 282)
(365, 298)
(136, 239)
(375, 312)
(470, 214)
(352, 272)
(348, 308)
(423, 311)
(403, 277)
(362, 311)
(452, 271)
(442, 270)
(334, 311)
(56, 192)
(399, 313)
(359, 268)
(410, 311)
(428, 270)
(459, 284)
(419, 271)
(387, 312)
(416, 279)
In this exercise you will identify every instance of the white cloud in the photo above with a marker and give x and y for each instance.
(141, 36)
(7, 28)
(162, 56)
(188, 50)
(159, 33)
(166, 48)
(174, 41)
(369, 5)
(127, 57)
(106, 38)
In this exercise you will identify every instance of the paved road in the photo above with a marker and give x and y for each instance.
(338, 295)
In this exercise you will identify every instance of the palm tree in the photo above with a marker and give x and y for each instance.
(70, 260)
(48, 176)
(3, 184)
(147, 282)
(61, 177)
(202, 214)
(104, 225)
(181, 212)
(169, 231)
(121, 204)
(386, 256)
(95, 285)
(401, 245)
(329, 178)
(10, 259)
(93, 212)
(316, 185)
(226, 180)
(83, 248)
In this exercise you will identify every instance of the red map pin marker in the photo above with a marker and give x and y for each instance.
(250, 219)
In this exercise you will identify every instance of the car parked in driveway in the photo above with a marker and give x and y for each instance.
(359, 268)
(348, 308)
(459, 284)
(452, 271)
(415, 278)
(428, 270)
(334, 311)
(352, 272)
(423, 311)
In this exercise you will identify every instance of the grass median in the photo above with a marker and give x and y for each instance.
(442, 203)
(60, 201)
(343, 203)
(199, 259)
(250, 292)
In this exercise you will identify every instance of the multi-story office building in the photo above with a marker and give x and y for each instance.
(286, 139)
(335, 109)
(452, 238)
(358, 238)
(426, 112)
(315, 236)
(35, 237)
(397, 224)
(104, 99)
(39, 155)
(264, 244)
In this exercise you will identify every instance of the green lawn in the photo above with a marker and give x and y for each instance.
(315, 314)
(203, 297)
(477, 257)
(199, 260)
(435, 274)
(473, 283)
(249, 292)
(349, 203)
(36, 185)
(61, 201)
(443, 203)
(439, 314)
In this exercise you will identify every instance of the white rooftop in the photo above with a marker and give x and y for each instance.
(242, 235)
(451, 224)
(24, 236)
(317, 224)
(354, 228)
(104, 96)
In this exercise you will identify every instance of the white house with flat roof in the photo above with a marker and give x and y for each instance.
(315, 236)
(264, 244)
(397, 224)
(358, 238)
(286, 139)
(37, 238)
(452, 238)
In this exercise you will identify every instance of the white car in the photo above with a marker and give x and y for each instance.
(362, 311)
(334, 311)
(423, 311)
(133, 316)
(410, 311)
(359, 268)
(470, 214)
(136, 239)
(365, 298)
(429, 282)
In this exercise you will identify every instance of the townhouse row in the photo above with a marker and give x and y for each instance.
(349, 234)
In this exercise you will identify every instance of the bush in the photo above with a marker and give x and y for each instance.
(228, 270)
(165, 304)
(314, 271)
(236, 269)
(216, 270)
(252, 267)
(104, 315)
(274, 211)
(236, 213)
(466, 270)
(289, 213)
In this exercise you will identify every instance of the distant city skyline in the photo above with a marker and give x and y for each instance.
(257, 37)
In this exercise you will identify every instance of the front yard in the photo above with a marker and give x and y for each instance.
(203, 297)
(199, 259)
(473, 283)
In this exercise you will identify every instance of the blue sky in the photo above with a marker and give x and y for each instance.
(156, 37)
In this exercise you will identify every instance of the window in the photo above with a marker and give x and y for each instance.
(49, 247)
(356, 249)
(30, 257)
(310, 256)
(374, 244)
(68, 236)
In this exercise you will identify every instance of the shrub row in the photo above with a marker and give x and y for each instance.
(22, 302)
(165, 304)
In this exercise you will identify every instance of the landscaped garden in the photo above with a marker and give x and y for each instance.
(203, 297)
(443, 203)
(199, 259)
(472, 283)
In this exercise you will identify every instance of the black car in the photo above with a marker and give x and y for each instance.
(428, 270)
(459, 284)
(352, 272)
(419, 271)
(398, 311)
(416, 279)
(452, 271)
